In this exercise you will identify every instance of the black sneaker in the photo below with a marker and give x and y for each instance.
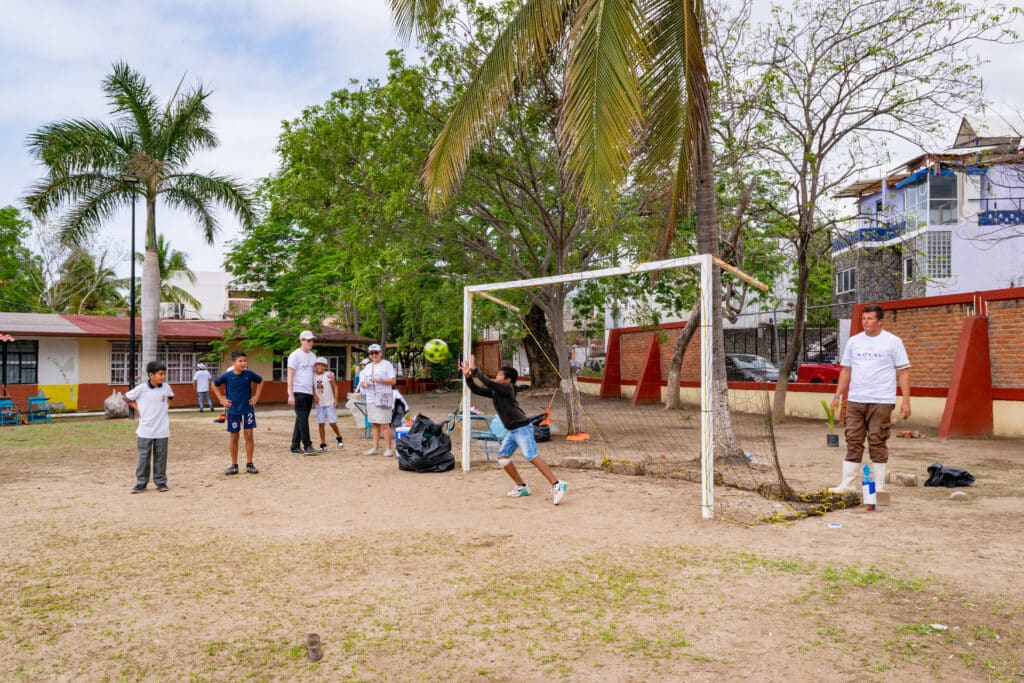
(309, 450)
(231, 470)
(297, 451)
(138, 489)
(323, 448)
(162, 488)
(341, 443)
(251, 469)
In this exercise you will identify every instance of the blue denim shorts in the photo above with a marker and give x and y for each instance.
(521, 437)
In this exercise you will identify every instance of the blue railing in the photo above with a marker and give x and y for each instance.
(1002, 211)
(880, 233)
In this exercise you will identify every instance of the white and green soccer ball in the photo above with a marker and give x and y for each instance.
(436, 351)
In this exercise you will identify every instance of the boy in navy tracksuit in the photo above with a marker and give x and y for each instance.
(240, 403)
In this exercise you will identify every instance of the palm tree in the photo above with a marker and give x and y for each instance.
(87, 162)
(635, 78)
(172, 262)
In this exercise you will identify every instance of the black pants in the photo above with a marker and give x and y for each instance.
(300, 434)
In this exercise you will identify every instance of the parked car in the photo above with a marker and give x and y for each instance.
(593, 367)
(818, 373)
(746, 367)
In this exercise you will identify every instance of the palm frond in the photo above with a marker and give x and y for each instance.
(410, 13)
(184, 129)
(603, 109)
(133, 99)
(75, 145)
(524, 43)
(91, 208)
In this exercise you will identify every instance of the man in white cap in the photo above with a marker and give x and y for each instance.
(301, 363)
(201, 379)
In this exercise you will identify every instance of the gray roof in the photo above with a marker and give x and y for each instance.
(37, 323)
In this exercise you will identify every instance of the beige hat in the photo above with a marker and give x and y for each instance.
(321, 361)
(306, 334)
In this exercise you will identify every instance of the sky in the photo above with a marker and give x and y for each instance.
(265, 60)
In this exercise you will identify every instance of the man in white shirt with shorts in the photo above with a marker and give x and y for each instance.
(874, 361)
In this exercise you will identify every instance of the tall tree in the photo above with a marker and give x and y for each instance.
(87, 162)
(20, 269)
(635, 73)
(841, 76)
(171, 262)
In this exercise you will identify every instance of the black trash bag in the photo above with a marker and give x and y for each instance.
(950, 477)
(540, 432)
(398, 413)
(426, 448)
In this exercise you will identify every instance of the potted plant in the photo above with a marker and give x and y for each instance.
(831, 439)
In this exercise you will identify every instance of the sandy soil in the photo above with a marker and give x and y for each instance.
(442, 577)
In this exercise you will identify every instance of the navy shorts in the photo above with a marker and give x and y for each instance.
(244, 420)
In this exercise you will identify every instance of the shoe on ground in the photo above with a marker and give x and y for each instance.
(231, 470)
(138, 489)
(388, 453)
(558, 491)
(372, 451)
(341, 443)
(323, 448)
(519, 491)
(308, 450)
(162, 488)
(251, 469)
(297, 451)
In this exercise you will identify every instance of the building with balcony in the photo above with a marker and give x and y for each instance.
(942, 223)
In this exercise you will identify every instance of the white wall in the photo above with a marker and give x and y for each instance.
(58, 361)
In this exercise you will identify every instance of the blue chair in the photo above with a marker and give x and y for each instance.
(38, 409)
(9, 415)
(494, 434)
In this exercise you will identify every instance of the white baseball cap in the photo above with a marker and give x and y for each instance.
(366, 361)
(306, 334)
(374, 347)
(321, 361)
(201, 366)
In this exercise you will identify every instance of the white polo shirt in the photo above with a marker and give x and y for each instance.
(873, 362)
(154, 419)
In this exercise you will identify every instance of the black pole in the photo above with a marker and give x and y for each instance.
(131, 318)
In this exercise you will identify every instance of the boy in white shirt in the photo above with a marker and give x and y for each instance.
(325, 402)
(150, 401)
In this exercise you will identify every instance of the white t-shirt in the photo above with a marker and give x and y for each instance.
(382, 370)
(154, 422)
(202, 380)
(323, 389)
(302, 362)
(873, 362)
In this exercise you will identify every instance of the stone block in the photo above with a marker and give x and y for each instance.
(883, 498)
(577, 462)
(906, 479)
(634, 469)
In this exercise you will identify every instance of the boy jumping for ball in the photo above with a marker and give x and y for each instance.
(502, 390)
(240, 403)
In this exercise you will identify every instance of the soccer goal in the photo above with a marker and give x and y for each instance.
(634, 422)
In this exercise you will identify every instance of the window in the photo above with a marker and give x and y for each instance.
(940, 252)
(22, 362)
(908, 269)
(846, 281)
(916, 203)
(942, 204)
(180, 357)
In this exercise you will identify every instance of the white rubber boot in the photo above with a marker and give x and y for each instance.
(849, 483)
(878, 475)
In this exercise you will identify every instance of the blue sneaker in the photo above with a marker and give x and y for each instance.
(558, 491)
(519, 491)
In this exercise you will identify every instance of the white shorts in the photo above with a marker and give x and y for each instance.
(326, 414)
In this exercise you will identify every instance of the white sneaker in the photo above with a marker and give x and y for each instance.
(519, 491)
(388, 453)
(372, 451)
(558, 491)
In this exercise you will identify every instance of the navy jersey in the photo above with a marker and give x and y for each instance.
(239, 388)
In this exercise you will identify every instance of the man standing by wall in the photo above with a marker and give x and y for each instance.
(301, 362)
(874, 361)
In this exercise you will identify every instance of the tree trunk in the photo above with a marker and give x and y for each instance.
(150, 291)
(540, 349)
(796, 335)
(570, 390)
(383, 319)
(675, 366)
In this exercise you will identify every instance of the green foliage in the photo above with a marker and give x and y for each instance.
(20, 270)
(830, 416)
(443, 372)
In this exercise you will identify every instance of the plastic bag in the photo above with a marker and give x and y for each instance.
(541, 427)
(114, 406)
(950, 477)
(426, 448)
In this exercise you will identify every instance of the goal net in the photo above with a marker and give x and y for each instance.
(613, 386)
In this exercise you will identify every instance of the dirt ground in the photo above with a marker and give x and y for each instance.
(442, 577)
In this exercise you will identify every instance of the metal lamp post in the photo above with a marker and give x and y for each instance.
(132, 180)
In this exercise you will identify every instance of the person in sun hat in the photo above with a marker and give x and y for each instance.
(377, 382)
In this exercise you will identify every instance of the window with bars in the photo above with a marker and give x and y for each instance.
(181, 359)
(22, 362)
(940, 253)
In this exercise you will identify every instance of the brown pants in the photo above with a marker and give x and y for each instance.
(873, 420)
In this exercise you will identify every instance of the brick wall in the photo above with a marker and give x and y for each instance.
(1006, 342)
(931, 336)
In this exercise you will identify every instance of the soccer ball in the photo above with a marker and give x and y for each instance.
(436, 351)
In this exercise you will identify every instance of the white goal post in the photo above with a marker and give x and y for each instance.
(705, 262)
